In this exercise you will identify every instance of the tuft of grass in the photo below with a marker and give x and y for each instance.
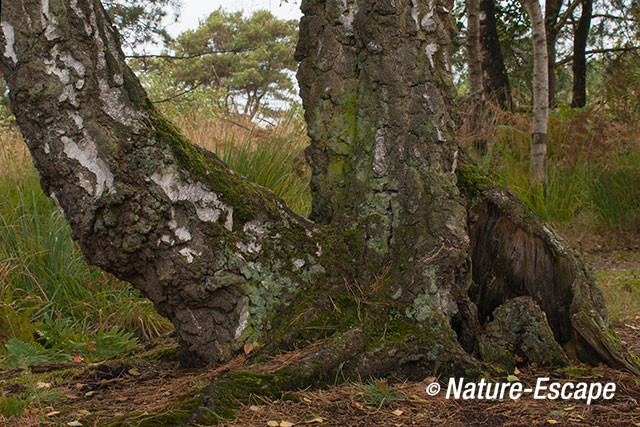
(593, 167)
(376, 393)
(271, 156)
(44, 280)
(621, 291)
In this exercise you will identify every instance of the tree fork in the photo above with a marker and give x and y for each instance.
(412, 250)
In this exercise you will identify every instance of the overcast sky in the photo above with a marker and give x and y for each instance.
(195, 10)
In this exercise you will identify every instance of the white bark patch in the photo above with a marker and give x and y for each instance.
(73, 63)
(84, 182)
(319, 251)
(188, 253)
(243, 322)
(10, 40)
(47, 22)
(208, 205)
(57, 203)
(87, 155)
(415, 12)
(77, 119)
(255, 232)
(430, 50)
(427, 23)
(69, 94)
(47, 149)
(298, 263)
(166, 238)
(379, 155)
(455, 162)
(182, 234)
(348, 14)
(51, 66)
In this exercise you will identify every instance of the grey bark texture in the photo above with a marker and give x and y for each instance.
(538, 168)
(411, 248)
(474, 63)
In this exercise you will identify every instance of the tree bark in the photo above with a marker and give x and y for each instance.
(475, 73)
(411, 250)
(494, 73)
(579, 92)
(552, 29)
(538, 168)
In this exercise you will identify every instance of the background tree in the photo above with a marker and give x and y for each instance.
(392, 271)
(249, 58)
(475, 67)
(579, 66)
(495, 78)
(540, 93)
(142, 22)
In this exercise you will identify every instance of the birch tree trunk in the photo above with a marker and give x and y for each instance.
(538, 168)
(414, 263)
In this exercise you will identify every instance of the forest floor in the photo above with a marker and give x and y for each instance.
(147, 387)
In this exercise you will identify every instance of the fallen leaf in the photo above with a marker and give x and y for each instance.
(358, 405)
(306, 399)
(84, 412)
(42, 385)
(557, 413)
(122, 399)
(90, 393)
(518, 359)
(52, 413)
(80, 385)
(286, 424)
(398, 412)
(134, 372)
(552, 421)
(248, 348)
(516, 371)
(413, 396)
(315, 421)
(254, 408)
(77, 359)
(74, 423)
(273, 423)
(512, 378)
(430, 380)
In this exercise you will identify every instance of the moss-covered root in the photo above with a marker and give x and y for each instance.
(317, 367)
(352, 354)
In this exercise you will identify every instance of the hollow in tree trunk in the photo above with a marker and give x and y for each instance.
(412, 263)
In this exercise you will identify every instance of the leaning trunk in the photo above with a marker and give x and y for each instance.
(414, 263)
(579, 98)
(538, 167)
